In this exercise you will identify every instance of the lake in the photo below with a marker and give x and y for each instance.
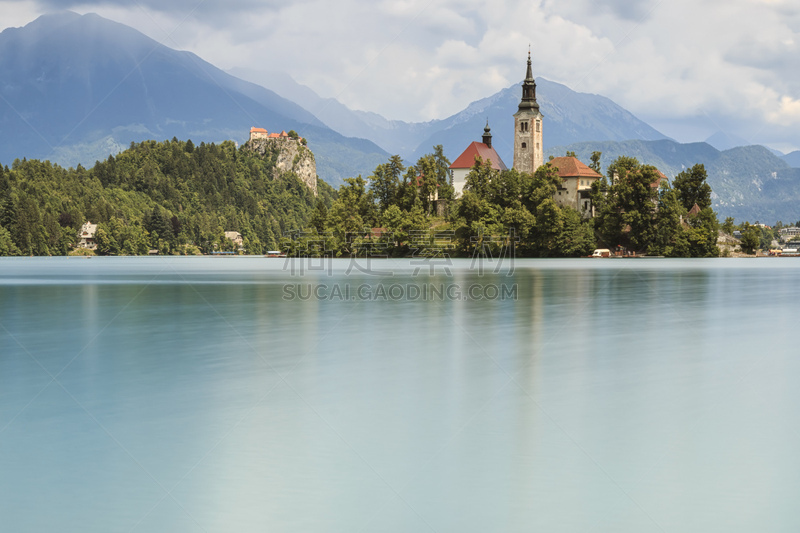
(251, 394)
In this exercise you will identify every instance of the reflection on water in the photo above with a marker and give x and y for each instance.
(190, 394)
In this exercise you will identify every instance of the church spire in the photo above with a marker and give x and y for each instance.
(529, 89)
(487, 135)
(528, 124)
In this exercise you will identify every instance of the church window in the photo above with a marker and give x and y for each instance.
(523, 127)
(538, 126)
(524, 146)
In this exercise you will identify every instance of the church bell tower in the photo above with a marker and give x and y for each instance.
(528, 147)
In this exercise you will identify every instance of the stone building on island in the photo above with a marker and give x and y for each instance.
(576, 184)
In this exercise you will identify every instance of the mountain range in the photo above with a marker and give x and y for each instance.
(571, 117)
(76, 88)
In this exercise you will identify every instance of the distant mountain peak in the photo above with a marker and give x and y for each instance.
(725, 141)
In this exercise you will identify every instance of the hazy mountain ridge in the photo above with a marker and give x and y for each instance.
(569, 117)
(72, 86)
(394, 136)
(793, 159)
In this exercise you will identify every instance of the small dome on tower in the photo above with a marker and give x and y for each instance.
(487, 135)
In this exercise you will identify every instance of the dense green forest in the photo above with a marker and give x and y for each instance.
(171, 196)
(177, 198)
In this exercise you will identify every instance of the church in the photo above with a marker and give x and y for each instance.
(576, 177)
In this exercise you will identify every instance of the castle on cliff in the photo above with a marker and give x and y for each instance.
(290, 152)
(261, 133)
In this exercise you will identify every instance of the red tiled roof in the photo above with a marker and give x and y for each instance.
(657, 182)
(694, 211)
(571, 167)
(477, 149)
(258, 130)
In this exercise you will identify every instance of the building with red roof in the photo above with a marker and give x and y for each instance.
(576, 184)
(464, 163)
(659, 180)
(258, 133)
(261, 133)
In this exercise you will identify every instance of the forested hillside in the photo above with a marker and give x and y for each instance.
(171, 196)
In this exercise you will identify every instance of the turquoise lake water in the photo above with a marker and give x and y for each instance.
(248, 394)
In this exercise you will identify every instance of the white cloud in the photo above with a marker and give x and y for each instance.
(17, 14)
(788, 112)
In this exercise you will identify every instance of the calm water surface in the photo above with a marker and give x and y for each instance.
(195, 394)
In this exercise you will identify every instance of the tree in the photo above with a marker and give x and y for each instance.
(319, 216)
(596, 161)
(727, 226)
(352, 213)
(692, 188)
(385, 182)
(548, 218)
(7, 246)
(576, 237)
(669, 239)
(433, 178)
(751, 237)
(627, 214)
(480, 177)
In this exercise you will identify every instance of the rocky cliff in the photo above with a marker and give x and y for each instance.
(290, 155)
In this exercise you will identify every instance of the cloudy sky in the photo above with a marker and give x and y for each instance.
(688, 67)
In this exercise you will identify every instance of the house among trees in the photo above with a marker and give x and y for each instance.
(576, 184)
(789, 232)
(236, 237)
(86, 236)
(464, 163)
